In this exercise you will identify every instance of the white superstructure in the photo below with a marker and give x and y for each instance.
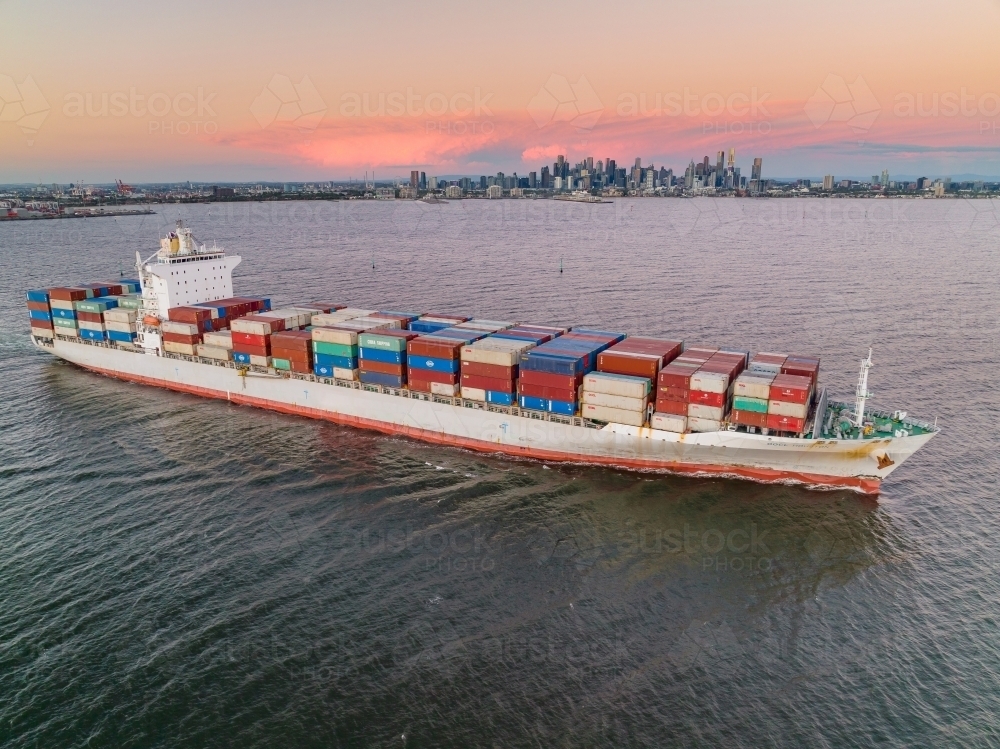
(180, 273)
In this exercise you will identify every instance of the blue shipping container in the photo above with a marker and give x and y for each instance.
(93, 335)
(66, 314)
(434, 364)
(239, 356)
(419, 326)
(37, 314)
(377, 378)
(566, 408)
(501, 399)
(340, 362)
(563, 364)
(379, 355)
(117, 335)
(37, 295)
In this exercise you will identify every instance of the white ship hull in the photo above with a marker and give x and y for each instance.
(857, 464)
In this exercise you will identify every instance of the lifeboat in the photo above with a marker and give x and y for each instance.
(151, 321)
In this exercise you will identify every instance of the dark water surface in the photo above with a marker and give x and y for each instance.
(180, 572)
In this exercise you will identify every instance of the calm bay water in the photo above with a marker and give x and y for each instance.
(179, 572)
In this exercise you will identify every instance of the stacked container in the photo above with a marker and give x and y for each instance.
(180, 337)
(335, 350)
(550, 375)
(338, 316)
(40, 314)
(382, 357)
(617, 398)
(61, 305)
(291, 351)
(490, 368)
(216, 345)
(120, 322)
(90, 317)
(252, 338)
(433, 364)
(403, 318)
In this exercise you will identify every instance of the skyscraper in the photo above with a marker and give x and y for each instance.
(720, 166)
(414, 178)
(756, 184)
(423, 180)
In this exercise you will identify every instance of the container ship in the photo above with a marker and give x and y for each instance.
(551, 393)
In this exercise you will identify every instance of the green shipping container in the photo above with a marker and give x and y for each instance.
(383, 342)
(62, 322)
(92, 305)
(757, 405)
(281, 364)
(129, 302)
(335, 349)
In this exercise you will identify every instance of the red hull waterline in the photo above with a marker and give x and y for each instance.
(762, 475)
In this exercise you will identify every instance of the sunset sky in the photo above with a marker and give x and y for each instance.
(299, 91)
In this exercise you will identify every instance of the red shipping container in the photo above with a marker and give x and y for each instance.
(89, 316)
(39, 306)
(791, 389)
(292, 355)
(247, 348)
(44, 324)
(493, 371)
(748, 418)
(548, 380)
(435, 348)
(628, 363)
(68, 293)
(367, 365)
(785, 423)
(191, 315)
(717, 400)
(800, 369)
(540, 391)
(678, 408)
(422, 386)
(299, 367)
(430, 375)
(250, 339)
(488, 383)
(674, 375)
(669, 393)
(181, 338)
(294, 340)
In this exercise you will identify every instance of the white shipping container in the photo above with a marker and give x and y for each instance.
(60, 304)
(120, 327)
(704, 425)
(43, 333)
(120, 315)
(213, 352)
(503, 344)
(489, 356)
(182, 328)
(613, 401)
(616, 384)
(669, 422)
(179, 348)
(260, 361)
(701, 411)
(374, 323)
(784, 408)
(764, 368)
(445, 388)
(333, 335)
(753, 386)
(218, 339)
(345, 374)
(474, 394)
(71, 332)
(87, 325)
(709, 382)
(614, 415)
(251, 327)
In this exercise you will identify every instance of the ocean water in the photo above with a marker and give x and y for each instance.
(177, 572)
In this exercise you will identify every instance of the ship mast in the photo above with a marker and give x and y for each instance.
(862, 391)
